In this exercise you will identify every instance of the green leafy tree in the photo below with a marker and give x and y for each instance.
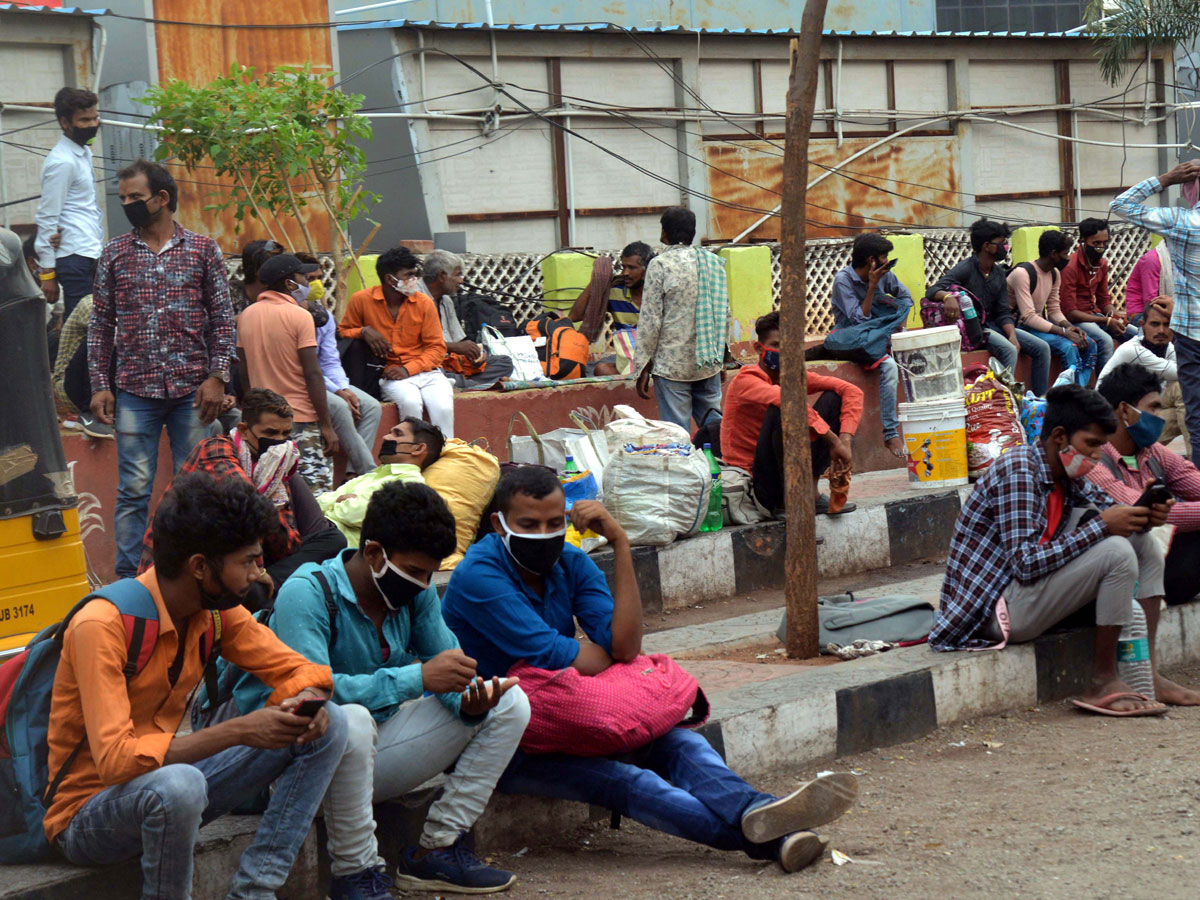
(287, 139)
(1128, 29)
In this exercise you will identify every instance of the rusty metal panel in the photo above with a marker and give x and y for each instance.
(199, 55)
(838, 205)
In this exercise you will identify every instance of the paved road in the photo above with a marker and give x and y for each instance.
(1064, 807)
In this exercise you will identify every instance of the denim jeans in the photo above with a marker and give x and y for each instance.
(1187, 357)
(677, 784)
(682, 401)
(1032, 346)
(75, 275)
(357, 440)
(1104, 340)
(159, 814)
(385, 760)
(1065, 349)
(889, 383)
(139, 425)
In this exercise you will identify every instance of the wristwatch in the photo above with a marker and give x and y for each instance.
(220, 374)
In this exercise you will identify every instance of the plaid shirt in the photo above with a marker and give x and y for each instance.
(997, 539)
(1181, 229)
(217, 457)
(168, 315)
(1180, 475)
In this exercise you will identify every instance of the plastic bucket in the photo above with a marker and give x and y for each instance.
(935, 436)
(929, 362)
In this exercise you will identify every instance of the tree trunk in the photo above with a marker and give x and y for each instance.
(801, 560)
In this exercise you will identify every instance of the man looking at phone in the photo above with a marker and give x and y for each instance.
(411, 697)
(1037, 541)
(1133, 460)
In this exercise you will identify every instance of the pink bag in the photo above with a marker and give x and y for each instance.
(623, 708)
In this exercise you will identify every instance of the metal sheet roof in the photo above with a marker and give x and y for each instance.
(608, 27)
(57, 10)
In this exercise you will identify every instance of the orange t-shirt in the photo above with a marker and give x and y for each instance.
(272, 331)
(129, 727)
(415, 335)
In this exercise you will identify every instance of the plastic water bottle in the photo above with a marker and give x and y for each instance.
(570, 468)
(970, 319)
(1133, 654)
(715, 517)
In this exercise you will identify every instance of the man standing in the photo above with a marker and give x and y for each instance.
(1085, 297)
(400, 325)
(277, 348)
(161, 308)
(683, 325)
(68, 204)
(466, 362)
(1180, 227)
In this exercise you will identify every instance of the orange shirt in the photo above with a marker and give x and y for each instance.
(415, 335)
(751, 392)
(129, 727)
(272, 331)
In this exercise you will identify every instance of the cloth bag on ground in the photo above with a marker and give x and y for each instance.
(520, 348)
(548, 448)
(738, 502)
(896, 618)
(623, 708)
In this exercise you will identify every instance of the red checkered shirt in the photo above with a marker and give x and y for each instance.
(167, 315)
(1180, 475)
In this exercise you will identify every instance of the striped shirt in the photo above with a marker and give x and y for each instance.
(1180, 475)
(1180, 227)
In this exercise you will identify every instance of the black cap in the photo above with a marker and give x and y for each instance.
(277, 268)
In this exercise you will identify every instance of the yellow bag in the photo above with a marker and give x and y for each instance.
(465, 476)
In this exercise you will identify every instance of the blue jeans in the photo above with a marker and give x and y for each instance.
(159, 814)
(75, 275)
(1065, 349)
(139, 425)
(889, 381)
(1104, 340)
(1187, 355)
(682, 401)
(677, 784)
(1036, 349)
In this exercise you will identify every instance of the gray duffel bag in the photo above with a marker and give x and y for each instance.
(895, 618)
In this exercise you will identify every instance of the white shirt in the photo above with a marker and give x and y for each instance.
(68, 203)
(1132, 351)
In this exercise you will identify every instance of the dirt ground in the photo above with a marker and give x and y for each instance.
(1061, 806)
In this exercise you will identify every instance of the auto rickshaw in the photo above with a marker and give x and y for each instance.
(43, 569)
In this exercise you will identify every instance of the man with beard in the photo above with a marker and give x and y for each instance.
(1084, 295)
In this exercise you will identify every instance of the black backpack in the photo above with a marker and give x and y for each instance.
(475, 310)
(1032, 271)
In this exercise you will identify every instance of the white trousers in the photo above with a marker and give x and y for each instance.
(388, 759)
(431, 390)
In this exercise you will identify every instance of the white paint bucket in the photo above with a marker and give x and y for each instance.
(935, 436)
(929, 362)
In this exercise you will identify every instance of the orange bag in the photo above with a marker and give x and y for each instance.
(564, 354)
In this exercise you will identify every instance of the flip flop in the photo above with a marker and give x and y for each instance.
(1102, 706)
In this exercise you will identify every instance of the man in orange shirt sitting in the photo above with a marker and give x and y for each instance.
(752, 430)
(401, 326)
(123, 781)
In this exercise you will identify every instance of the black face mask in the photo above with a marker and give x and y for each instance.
(1094, 255)
(1062, 264)
(84, 136)
(266, 443)
(387, 448)
(227, 599)
(138, 213)
(539, 553)
(397, 588)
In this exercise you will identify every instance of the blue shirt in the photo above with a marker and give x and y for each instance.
(328, 358)
(849, 291)
(501, 621)
(360, 673)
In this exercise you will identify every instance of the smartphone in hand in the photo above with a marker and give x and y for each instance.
(309, 708)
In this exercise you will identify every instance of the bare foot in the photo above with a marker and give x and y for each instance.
(1101, 690)
(896, 445)
(1174, 694)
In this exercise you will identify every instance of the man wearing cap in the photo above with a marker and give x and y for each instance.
(277, 348)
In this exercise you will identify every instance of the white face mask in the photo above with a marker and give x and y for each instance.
(301, 291)
(408, 287)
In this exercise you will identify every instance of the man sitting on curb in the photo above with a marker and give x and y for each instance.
(413, 702)
(1133, 459)
(1035, 542)
(410, 448)
(516, 596)
(259, 451)
(752, 430)
(133, 785)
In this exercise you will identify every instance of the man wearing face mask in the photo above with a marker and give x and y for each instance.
(131, 784)
(1134, 459)
(518, 594)
(1036, 541)
(413, 699)
(68, 206)
(277, 349)
(401, 326)
(259, 450)
(163, 322)
(752, 430)
(1084, 295)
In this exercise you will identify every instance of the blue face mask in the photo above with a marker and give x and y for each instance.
(770, 360)
(1146, 430)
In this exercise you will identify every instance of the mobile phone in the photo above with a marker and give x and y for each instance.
(891, 264)
(309, 708)
(1156, 492)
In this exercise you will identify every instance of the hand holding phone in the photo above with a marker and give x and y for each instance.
(1155, 492)
(310, 707)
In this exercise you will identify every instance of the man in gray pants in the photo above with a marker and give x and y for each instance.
(1035, 542)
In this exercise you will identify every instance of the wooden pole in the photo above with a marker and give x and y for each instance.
(801, 559)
